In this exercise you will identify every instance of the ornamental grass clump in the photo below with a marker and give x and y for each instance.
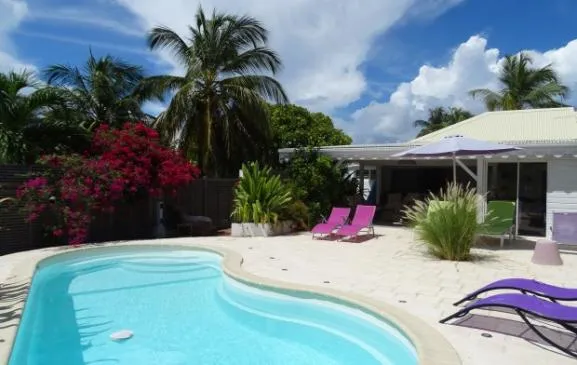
(446, 223)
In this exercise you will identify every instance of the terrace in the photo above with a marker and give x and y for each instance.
(394, 270)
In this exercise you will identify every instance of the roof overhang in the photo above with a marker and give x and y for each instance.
(530, 150)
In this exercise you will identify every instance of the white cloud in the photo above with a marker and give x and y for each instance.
(472, 65)
(90, 16)
(12, 12)
(322, 43)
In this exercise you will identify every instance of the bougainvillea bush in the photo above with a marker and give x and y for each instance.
(122, 164)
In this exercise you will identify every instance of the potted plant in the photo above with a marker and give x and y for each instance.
(260, 198)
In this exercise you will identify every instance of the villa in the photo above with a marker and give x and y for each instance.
(541, 177)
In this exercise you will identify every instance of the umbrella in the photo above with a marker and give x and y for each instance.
(453, 146)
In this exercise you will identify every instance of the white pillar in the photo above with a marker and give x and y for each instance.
(378, 184)
(481, 188)
(362, 180)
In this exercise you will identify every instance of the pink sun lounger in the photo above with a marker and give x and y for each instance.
(337, 218)
(363, 219)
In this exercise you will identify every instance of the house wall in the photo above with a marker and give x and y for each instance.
(561, 188)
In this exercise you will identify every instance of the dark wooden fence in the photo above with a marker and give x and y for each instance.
(130, 220)
(15, 233)
(207, 197)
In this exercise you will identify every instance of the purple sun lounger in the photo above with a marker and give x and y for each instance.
(526, 286)
(523, 305)
(363, 219)
(337, 218)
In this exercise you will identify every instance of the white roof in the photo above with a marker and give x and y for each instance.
(540, 133)
(534, 126)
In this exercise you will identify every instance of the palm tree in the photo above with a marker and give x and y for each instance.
(524, 87)
(440, 118)
(102, 91)
(24, 132)
(220, 104)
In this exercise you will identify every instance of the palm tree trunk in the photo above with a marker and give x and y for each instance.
(207, 138)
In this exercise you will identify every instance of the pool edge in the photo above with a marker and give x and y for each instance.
(431, 346)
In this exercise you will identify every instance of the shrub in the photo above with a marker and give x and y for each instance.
(446, 223)
(298, 212)
(260, 196)
(318, 181)
(121, 165)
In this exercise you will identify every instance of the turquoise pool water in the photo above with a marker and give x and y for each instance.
(182, 309)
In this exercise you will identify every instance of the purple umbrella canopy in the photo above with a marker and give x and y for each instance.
(457, 146)
(453, 146)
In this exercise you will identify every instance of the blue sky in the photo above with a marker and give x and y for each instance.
(373, 65)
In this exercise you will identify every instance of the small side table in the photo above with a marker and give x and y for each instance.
(546, 253)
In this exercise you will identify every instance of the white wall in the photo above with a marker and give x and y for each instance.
(561, 189)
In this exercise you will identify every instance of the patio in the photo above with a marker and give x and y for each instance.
(392, 269)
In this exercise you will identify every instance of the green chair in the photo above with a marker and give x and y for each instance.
(500, 220)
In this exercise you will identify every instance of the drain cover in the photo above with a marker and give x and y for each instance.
(485, 334)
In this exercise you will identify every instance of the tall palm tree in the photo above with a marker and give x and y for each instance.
(440, 118)
(24, 131)
(524, 86)
(102, 91)
(221, 101)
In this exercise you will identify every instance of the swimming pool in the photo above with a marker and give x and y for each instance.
(183, 309)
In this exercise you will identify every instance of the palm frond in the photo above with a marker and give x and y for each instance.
(165, 38)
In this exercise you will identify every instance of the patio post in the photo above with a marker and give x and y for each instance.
(379, 181)
(517, 199)
(481, 188)
(362, 180)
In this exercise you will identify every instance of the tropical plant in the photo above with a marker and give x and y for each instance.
(260, 196)
(104, 90)
(24, 132)
(440, 118)
(220, 104)
(446, 223)
(318, 181)
(524, 87)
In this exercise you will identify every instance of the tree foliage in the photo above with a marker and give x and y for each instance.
(25, 131)
(524, 87)
(440, 118)
(103, 90)
(219, 111)
(296, 127)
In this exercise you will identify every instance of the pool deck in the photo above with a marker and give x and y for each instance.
(393, 270)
